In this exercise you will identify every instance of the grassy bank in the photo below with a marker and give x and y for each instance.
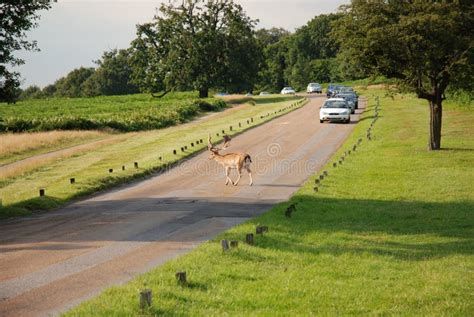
(90, 167)
(123, 113)
(390, 232)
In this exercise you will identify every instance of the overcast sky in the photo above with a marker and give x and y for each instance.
(74, 33)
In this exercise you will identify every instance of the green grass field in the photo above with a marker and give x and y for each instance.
(390, 232)
(123, 113)
(90, 167)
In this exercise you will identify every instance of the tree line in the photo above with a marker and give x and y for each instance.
(427, 46)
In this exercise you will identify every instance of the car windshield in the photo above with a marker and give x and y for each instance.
(335, 104)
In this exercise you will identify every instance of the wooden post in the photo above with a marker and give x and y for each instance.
(181, 277)
(340, 162)
(248, 122)
(261, 229)
(72, 180)
(251, 119)
(230, 128)
(182, 149)
(249, 238)
(317, 181)
(111, 170)
(135, 164)
(234, 244)
(160, 158)
(225, 245)
(316, 189)
(192, 144)
(174, 152)
(185, 147)
(223, 132)
(325, 173)
(123, 167)
(200, 141)
(240, 125)
(217, 134)
(321, 177)
(42, 192)
(145, 298)
(354, 148)
(334, 164)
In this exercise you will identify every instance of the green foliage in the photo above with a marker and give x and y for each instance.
(112, 77)
(123, 113)
(197, 44)
(72, 85)
(16, 18)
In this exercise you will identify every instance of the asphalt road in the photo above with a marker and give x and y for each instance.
(52, 262)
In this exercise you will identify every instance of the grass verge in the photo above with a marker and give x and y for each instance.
(91, 168)
(390, 232)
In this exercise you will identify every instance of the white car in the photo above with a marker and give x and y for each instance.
(335, 109)
(288, 91)
(314, 88)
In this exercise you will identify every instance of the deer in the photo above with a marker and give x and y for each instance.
(230, 161)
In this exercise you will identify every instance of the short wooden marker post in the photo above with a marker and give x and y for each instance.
(224, 245)
(261, 229)
(316, 189)
(145, 298)
(317, 181)
(192, 144)
(72, 180)
(135, 164)
(234, 244)
(321, 177)
(185, 147)
(240, 125)
(340, 162)
(230, 128)
(160, 158)
(111, 170)
(251, 119)
(248, 122)
(174, 152)
(181, 278)
(223, 131)
(200, 141)
(249, 239)
(325, 173)
(41, 192)
(334, 164)
(123, 167)
(182, 149)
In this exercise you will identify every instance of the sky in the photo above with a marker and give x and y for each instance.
(75, 33)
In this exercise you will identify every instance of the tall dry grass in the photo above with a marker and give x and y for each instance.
(19, 143)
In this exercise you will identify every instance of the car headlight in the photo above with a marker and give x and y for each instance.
(345, 112)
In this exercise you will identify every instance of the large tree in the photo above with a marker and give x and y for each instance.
(199, 44)
(427, 45)
(16, 17)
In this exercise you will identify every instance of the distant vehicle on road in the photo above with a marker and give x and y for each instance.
(330, 90)
(350, 98)
(264, 93)
(314, 88)
(288, 91)
(335, 109)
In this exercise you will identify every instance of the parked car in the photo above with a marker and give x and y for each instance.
(288, 91)
(314, 88)
(350, 98)
(264, 93)
(335, 109)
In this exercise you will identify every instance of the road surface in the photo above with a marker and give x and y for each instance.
(52, 262)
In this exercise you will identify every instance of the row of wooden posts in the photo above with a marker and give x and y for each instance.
(72, 180)
(145, 298)
(341, 160)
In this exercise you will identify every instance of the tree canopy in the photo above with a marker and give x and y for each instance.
(16, 18)
(197, 44)
(426, 45)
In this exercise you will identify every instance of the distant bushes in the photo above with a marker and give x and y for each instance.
(141, 118)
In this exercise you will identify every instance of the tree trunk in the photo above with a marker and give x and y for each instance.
(436, 115)
(203, 93)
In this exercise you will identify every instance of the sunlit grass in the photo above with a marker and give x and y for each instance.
(390, 232)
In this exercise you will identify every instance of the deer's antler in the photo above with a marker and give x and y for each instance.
(211, 146)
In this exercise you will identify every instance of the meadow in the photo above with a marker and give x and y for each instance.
(122, 113)
(389, 232)
(152, 150)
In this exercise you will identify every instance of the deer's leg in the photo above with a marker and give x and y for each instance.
(227, 176)
(239, 171)
(250, 174)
